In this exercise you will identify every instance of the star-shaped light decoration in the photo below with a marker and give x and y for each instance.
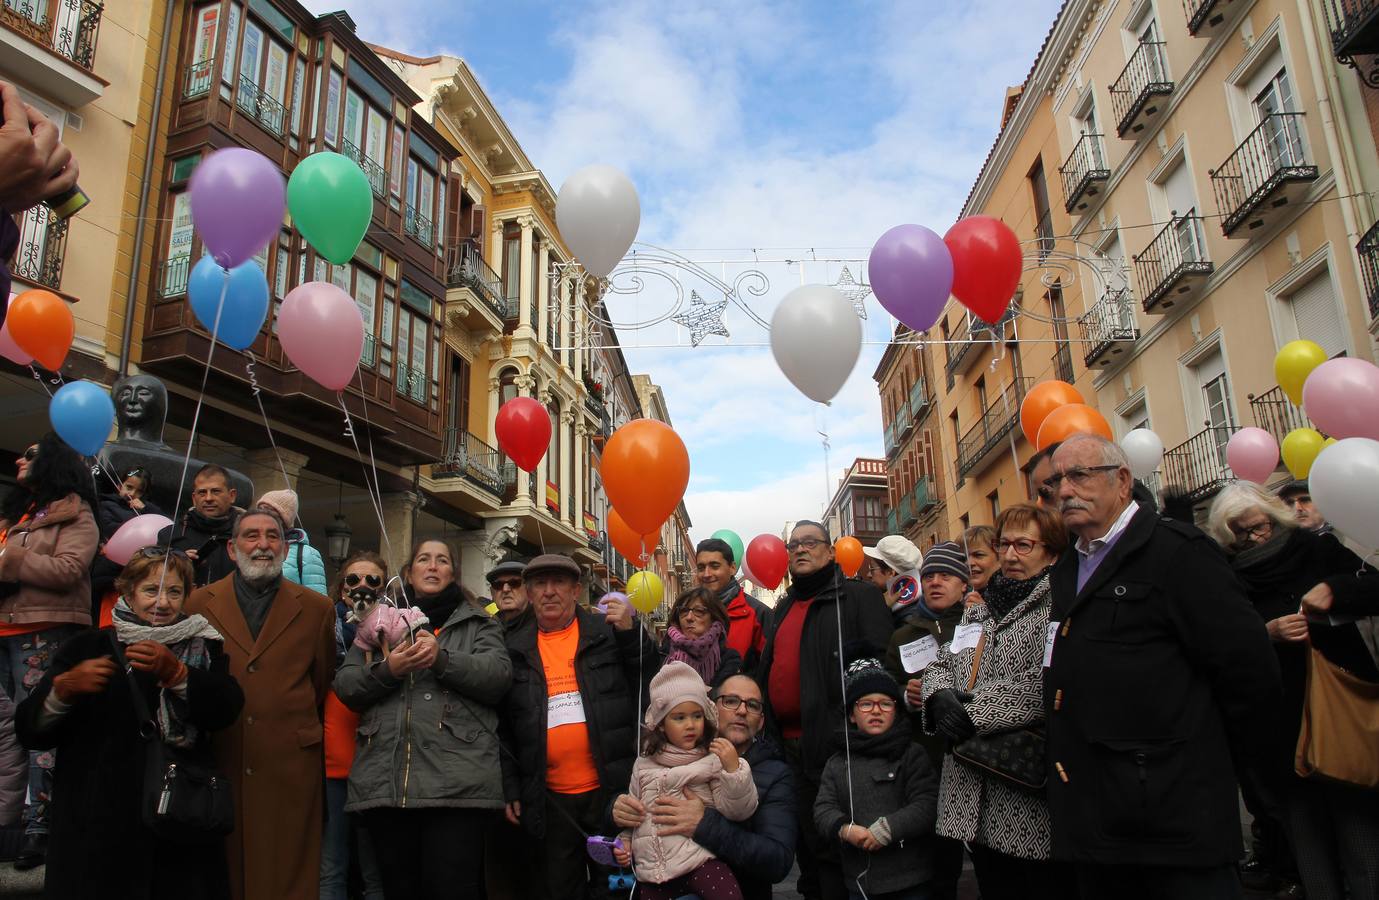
(853, 291)
(702, 319)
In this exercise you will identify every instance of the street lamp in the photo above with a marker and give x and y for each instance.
(338, 534)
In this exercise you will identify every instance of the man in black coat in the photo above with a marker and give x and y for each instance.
(570, 723)
(802, 670)
(1159, 679)
(206, 528)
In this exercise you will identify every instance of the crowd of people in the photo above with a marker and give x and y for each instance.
(1074, 699)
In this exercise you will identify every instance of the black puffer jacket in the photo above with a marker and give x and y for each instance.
(608, 664)
(761, 850)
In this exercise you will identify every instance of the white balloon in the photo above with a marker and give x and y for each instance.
(1145, 451)
(598, 213)
(816, 338)
(1344, 482)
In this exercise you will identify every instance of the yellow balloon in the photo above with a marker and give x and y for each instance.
(1300, 448)
(1294, 362)
(1328, 442)
(646, 591)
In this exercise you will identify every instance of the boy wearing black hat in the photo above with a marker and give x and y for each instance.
(884, 819)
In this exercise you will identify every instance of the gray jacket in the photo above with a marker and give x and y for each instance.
(430, 738)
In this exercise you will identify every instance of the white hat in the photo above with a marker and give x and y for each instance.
(899, 553)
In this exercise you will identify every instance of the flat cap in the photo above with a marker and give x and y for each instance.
(553, 562)
(506, 567)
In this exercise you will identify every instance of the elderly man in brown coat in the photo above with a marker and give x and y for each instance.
(280, 638)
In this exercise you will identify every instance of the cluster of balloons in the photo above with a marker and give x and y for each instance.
(1054, 411)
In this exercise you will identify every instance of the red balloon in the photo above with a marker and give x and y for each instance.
(768, 560)
(986, 265)
(524, 431)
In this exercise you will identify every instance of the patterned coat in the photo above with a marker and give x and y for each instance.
(974, 806)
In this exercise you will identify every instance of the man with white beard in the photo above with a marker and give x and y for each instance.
(280, 638)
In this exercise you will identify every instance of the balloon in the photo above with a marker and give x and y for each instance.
(635, 548)
(746, 572)
(1042, 399)
(42, 325)
(1068, 420)
(597, 212)
(135, 534)
(1145, 451)
(246, 300)
(8, 348)
(986, 265)
(1294, 362)
(602, 605)
(1328, 443)
(1341, 397)
(911, 272)
(1344, 484)
(646, 591)
(331, 203)
(82, 414)
(1252, 454)
(816, 338)
(732, 540)
(847, 552)
(767, 556)
(524, 433)
(645, 470)
(1300, 448)
(322, 333)
(237, 201)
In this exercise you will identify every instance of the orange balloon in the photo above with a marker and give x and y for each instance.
(635, 548)
(1066, 421)
(1042, 399)
(42, 326)
(848, 553)
(645, 472)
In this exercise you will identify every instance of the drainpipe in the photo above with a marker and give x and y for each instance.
(127, 338)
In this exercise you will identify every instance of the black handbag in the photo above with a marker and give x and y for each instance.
(1018, 757)
(182, 799)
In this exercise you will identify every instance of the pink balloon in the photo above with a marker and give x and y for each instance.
(1252, 454)
(1341, 397)
(321, 331)
(136, 534)
(8, 348)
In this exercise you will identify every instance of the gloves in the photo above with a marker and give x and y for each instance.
(950, 718)
(87, 677)
(151, 656)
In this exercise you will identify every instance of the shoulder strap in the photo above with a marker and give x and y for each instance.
(977, 660)
(148, 727)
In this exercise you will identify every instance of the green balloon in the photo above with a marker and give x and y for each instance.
(730, 536)
(331, 204)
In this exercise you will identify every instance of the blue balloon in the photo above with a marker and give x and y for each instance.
(246, 300)
(82, 415)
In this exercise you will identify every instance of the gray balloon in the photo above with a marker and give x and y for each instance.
(816, 338)
(598, 214)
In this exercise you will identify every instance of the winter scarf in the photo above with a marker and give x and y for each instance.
(438, 607)
(890, 744)
(255, 601)
(218, 526)
(1003, 594)
(1264, 566)
(729, 593)
(673, 757)
(702, 654)
(805, 587)
(186, 639)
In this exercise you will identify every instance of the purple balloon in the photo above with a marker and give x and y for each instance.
(238, 197)
(911, 273)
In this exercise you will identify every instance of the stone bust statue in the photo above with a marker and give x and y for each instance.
(141, 410)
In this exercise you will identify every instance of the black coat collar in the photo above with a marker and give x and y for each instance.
(1066, 597)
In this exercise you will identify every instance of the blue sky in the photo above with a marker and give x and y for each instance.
(783, 127)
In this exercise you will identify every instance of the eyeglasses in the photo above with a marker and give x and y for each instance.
(1261, 530)
(699, 612)
(734, 702)
(867, 706)
(30, 454)
(353, 580)
(1021, 546)
(806, 543)
(1078, 476)
(159, 553)
(506, 584)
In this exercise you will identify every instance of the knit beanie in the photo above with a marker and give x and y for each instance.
(673, 685)
(946, 557)
(284, 503)
(865, 675)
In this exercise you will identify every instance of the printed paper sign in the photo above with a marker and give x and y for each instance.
(1048, 644)
(917, 656)
(564, 709)
(965, 638)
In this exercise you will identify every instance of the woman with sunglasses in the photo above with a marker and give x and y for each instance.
(48, 537)
(698, 636)
(85, 709)
(426, 774)
(987, 682)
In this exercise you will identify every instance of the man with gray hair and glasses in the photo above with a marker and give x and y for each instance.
(1158, 679)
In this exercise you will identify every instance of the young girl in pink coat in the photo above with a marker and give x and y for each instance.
(681, 751)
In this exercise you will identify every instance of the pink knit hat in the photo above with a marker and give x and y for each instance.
(284, 503)
(673, 685)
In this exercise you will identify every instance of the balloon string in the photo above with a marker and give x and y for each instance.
(843, 682)
(254, 389)
(375, 499)
(368, 433)
(39, 379)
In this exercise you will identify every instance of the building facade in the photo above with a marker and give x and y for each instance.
(917, 481)
(859, 507)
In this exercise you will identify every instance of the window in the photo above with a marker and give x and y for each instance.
(412, 340)
(1315, 315)
(1272, 100)
(512, 266)
(553, 305)
(1215, 401)
(457, 394)
(332, 129)
(202, 72)
(179, 246)
(298, 88)
(993, 501)
(1180, 199)
(553, 458)
(420, 200)
(1043, 228)
(395, 170)
(231, 44)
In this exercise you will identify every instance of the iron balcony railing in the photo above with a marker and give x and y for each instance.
(908, 511)
(1043, 231)
(42, 246)
(597, 544)
(417, 225)
(1368, 251)
(377, 175)
(199, 79)
(172, 276)
(411, 382)
(1200, 13)
(925, 494)
(465, 456)
(1274, 153)
(1179, 249)
(1354, 26)
(1196, 469)
(465, 267)
(997, 421)
(1110, 320)
(594, 406)
(902, 420)
(1063, 362)
(957, 348)
(1276, 414)
(69, 28)
(919, 399)
(1083, 170)
(891, 443)
(1144, 77)
(891, 526)
(261, 106)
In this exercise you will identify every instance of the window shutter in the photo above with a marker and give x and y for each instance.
(1314, 310)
